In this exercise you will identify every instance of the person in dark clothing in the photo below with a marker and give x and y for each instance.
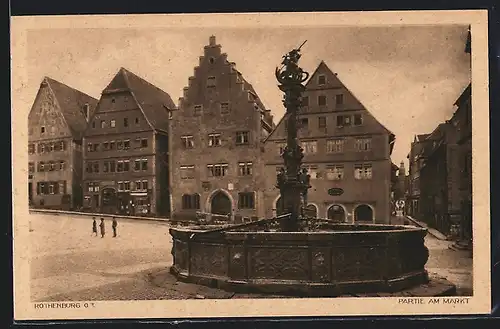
(94, 227)
(115, 224)
(103, 229)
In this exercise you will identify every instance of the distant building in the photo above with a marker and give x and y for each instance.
(218, 135)
(56, 124)
(415, 160)
(345, 148)
(127, 149)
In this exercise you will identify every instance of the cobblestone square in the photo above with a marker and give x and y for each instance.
(69, 263)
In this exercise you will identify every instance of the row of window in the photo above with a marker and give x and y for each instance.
(217, 170)
(322, 100)
(332, 146)
(47, 147)
(344, 120)
(47, 166)
(215, 139)
(117, 145)
(123, 186)
(337, 171)
(224, 109)
(47, 188)
(246, 200)
(112, 123)
(116, 166)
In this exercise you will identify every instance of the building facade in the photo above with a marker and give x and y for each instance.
(345, 148)
(56, 124)
(439, 178)
(462, 120)
(218, 135)
(415, 161)
(126, 149)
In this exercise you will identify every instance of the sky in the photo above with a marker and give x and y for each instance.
(408, 77)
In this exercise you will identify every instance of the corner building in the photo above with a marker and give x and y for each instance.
(127, 149)
(218, 135)
(56, 123)
(345, 148)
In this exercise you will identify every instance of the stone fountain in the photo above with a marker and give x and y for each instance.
(295, 255)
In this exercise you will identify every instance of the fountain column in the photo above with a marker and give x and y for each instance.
(292, 182)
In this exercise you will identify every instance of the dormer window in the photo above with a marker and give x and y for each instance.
(322, 80)
(211, 82)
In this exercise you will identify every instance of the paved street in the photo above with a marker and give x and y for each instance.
(68, 263)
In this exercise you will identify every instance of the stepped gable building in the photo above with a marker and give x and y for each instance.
(415, 159)
(127, 149)
(218, 136)
(56, 124)
(345, 148)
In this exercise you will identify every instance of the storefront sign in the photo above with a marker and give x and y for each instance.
(335, 191)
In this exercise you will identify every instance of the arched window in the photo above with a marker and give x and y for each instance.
(191, 201)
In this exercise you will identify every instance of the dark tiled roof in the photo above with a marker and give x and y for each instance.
(422, 137)
(72, 103)
(153, 101)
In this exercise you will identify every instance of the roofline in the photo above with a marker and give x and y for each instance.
(56, 101)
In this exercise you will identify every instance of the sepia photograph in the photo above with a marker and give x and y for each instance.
(268, 164)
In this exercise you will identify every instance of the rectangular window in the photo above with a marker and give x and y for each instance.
(62, 165)
(112, 166)
(103, 124)
(42, 130)
(144, 165)
(211, 82)
(245, 168)
(119, 166)
(95, 147)
(246, 200)
(105, 167)
(304, 123)
(62, 187)
(137, 165)
(358, 119)
(187, 172)
(339, 99)
(126, 144)
(120, 186)
(224, 108)
(335, 172)
(125, 122)
(198, 109)
(96, 167)
(41, 166)
(126, 185)
(322, 122)
(52, 166)
(343, 120)
(41, 148)
(242, 138)
(31, 167)
(363, 144)
(322, 100)
(187, 142)
(312, 170)
(144, 142)
(136, 121)
(335, 146)
(105, 146)
(31, 148)
(214, 140)
(363, 171)
(217, 170)
(112, 123)
(126, 165)
(119, 145)
(137, 185)
(51, 188)
(112, 145)
(309, 147)
(281, 147)
(321, 80)
(145, 185)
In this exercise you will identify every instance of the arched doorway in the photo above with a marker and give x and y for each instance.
(311, 211)
(336, 212)
(280, 207)
(220, 204)
(363, 213)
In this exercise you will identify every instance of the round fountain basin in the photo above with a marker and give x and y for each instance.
(331, 261)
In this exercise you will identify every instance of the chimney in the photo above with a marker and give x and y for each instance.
(211, 41)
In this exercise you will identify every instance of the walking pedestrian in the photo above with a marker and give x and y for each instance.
(94, 227)
(114, 225)
(103, 229)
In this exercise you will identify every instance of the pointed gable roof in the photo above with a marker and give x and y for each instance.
(154, 102)
(72, 103)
